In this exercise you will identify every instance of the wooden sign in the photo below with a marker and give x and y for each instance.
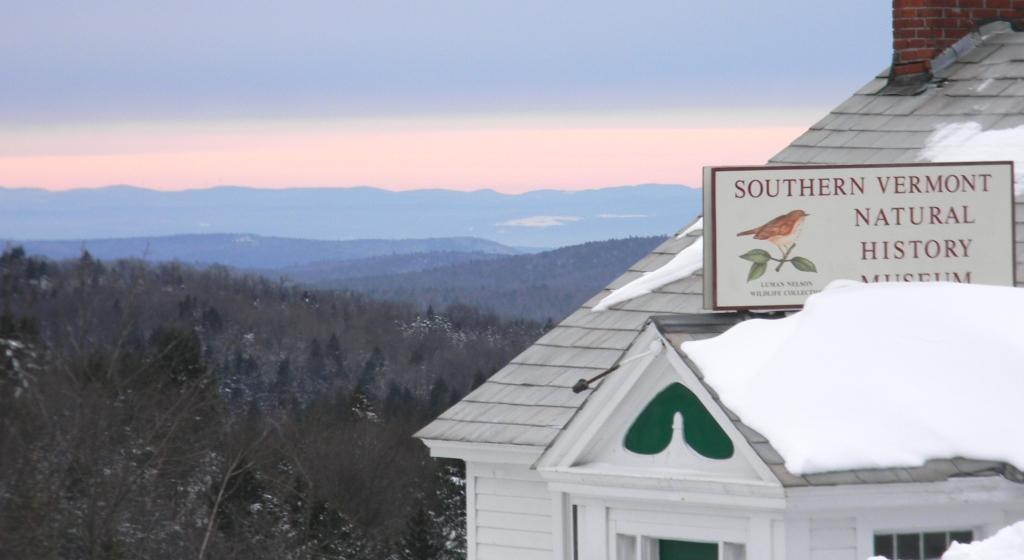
(776, 235)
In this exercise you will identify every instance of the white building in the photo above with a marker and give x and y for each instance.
(556, 474)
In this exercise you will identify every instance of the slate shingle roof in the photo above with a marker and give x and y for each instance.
(984, 83)
(529, 401)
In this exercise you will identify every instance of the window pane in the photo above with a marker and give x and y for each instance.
(962, 537)
(884, 546)
(908, 546)
(684, 550)
(934, 545)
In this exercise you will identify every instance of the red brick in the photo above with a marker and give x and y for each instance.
(911, 55)
(924, 28)
(912, 68)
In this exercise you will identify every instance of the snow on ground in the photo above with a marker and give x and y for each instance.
(878, 375)
(966, 141)
(1007, 544)
(688, 261)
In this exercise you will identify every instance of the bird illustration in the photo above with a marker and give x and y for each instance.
(781, 231)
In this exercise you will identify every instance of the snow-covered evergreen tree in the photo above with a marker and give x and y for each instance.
(420, 541)
(450, 519)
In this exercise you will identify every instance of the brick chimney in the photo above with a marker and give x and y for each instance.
(922, 29)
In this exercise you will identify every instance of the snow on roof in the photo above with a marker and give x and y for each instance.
(1007, 544)
(695, 226)
(878, 376)
(966, 141)
(688, 261)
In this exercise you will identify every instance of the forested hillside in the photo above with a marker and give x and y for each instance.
(158, 411)
(326, 273)
(544, 286)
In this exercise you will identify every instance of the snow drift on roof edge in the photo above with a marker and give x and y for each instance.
(878, 376)
(685, 263)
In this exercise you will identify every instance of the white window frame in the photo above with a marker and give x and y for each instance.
(920, 539)
(645, 547)
(975, 519)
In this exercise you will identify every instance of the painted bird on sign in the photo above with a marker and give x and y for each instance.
(781, 231)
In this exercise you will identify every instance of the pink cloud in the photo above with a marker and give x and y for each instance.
(506, 157)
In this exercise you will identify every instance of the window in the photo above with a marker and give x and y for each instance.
(685, 550)
(632, 547)
(918, 546)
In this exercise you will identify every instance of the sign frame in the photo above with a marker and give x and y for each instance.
(710, 285)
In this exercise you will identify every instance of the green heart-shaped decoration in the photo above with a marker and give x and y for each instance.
(651, 432)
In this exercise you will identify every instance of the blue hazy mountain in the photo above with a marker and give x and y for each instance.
(247, 251)
(544, 218)
(546, 285)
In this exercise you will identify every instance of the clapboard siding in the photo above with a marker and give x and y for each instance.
(508, 504)
(513, 514)
(513, 488)
(516, 521)
(494, 552)
(507, 537)
(833, 538)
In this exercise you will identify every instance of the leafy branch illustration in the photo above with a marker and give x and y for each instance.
(759, 259)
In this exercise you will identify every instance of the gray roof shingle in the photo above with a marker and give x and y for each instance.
(983, 84)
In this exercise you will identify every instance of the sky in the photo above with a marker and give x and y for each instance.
(460, 94)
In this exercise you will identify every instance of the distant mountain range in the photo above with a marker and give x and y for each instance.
(256, 252)
(542, 286)
(542, 219)
(333, 273)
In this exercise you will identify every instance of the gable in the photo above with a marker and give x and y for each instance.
(653, 418)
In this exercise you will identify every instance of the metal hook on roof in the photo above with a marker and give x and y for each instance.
(584, 384)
